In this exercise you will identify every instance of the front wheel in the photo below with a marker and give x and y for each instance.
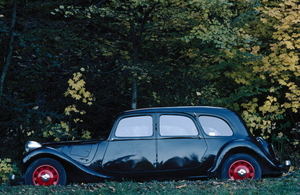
(241, 166)
(45, 171)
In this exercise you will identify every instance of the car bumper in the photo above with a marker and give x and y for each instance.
(283, 169)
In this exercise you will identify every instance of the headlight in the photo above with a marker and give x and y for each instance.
(32, 145)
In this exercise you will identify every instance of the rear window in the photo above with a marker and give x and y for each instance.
(214, 126)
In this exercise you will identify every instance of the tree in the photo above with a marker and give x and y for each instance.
(280, 65)
(139, 30)
(10, 48)
(268, 76)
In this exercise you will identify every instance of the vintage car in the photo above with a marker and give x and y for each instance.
(157, 143)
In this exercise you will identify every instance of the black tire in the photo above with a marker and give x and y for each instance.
(241, 166)
(45, 171)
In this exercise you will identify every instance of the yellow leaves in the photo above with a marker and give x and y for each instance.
(274, 47)
(289, 44)
(264, 20)
(280, 135)
(256, 122)
(77, 89)
(71, 108)
(192, 53)
(271, 106)
(240, 77)
(76, 82)
(6, 170)
(76, 120)
(272, 99)
(282, 64)
(29, 133)
(251, 106)
(125, 54)
(295, 35)
(211, 30)
(272, 89)
(58, 130)
(278, 65)
(255, 49)
(282, 27)
(260, 116)
(229, 53)
(290, 60)
(86, 135)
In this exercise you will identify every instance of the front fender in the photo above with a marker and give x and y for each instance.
(63, 159)
(239, 146)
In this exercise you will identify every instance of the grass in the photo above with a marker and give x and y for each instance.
(266, 186)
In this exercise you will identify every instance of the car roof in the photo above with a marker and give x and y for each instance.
(232, 117)
(183, 109)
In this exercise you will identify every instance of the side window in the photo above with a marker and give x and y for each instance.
(136, 126)
(214, 126)
(174, 125)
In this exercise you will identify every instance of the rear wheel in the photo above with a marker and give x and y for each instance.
(241, 166)
(45, 171)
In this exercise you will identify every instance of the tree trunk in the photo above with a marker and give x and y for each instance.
(136, 39)
(134, 78)
(134, 60)
(10, 48)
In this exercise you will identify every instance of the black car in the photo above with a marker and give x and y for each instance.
(157, 143)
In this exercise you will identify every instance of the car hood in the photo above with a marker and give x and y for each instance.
(69, 143)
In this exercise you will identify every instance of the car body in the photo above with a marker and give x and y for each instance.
(157, 143)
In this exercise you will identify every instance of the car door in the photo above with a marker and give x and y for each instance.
(180, 147)
(132, 146)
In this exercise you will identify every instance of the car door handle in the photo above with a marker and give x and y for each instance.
(83, 159)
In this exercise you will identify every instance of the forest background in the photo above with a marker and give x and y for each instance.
(69, 67)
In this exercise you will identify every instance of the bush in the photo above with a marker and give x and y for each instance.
(6, 169)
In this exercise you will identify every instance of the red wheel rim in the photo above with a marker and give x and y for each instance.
(241, 169)
(45, 175)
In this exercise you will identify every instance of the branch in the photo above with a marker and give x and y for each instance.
(146, 16)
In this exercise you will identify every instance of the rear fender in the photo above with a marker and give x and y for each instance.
(239, 146)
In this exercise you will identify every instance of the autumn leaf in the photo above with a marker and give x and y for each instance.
(181, 186)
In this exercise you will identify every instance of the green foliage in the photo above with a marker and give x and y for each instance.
(281, 144)
(65, 130)
(219, 52)
(266, 73)
(296, 135)
(58, 131)
(215, 24)
(282, 64)
(78, 91)
(6, 169)
(268, 186)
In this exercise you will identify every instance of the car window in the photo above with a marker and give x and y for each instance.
(136, 126)
(214, 126)
(175, 125)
